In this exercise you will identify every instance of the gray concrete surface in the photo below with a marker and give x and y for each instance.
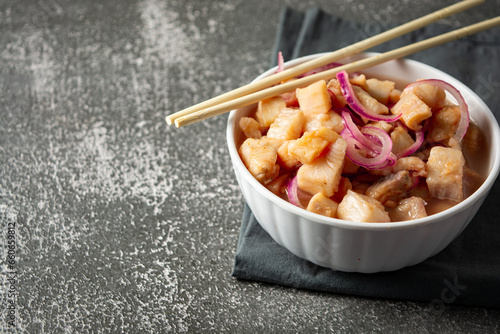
(122, 224)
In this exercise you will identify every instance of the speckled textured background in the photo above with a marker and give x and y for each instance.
(123, 224)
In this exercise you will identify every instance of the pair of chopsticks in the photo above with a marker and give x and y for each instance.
(267, 88)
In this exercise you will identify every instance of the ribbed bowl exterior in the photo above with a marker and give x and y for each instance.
(353, 249)
(365, 247)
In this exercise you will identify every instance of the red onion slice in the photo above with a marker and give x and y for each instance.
(292, 192)
(346, 135)
(419, 139)
(383, 145)
(352, 100)
(415, 182)
(353, 129)
(353, 153)
(367, 149)
(281, 63)
(464, 109)
(382, 155)
(391, 160)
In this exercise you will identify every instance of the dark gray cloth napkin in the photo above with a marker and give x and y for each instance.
(467, 272)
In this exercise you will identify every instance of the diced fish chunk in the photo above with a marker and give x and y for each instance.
(344, 185)
(361, 208)
(392, 188)
(285, 158)
(380, 89)
(314, 99)
(331, 120)
(369, 102)
(324, 173)
(350, 167)
(259, 156)
(401, 140)
(412, 109)
(359, 80)
(288, 125)
(323, 205)
(445, 171)
(444, 122)
(472, 179)
(431, 95)
(387, 127)
(269, 109)
(474, 139)
(412, 164)
(395, 96)
(250, 127)
(334, 87)
(409, 209)
(311, 144)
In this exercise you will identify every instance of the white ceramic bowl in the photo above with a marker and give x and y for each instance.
(366, 247)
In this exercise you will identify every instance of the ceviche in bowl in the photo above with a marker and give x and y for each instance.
(367, 171)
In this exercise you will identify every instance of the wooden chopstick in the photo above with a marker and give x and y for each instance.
(329, 58)
(325, 75)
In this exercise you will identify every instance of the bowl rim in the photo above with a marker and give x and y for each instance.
(435, 218)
